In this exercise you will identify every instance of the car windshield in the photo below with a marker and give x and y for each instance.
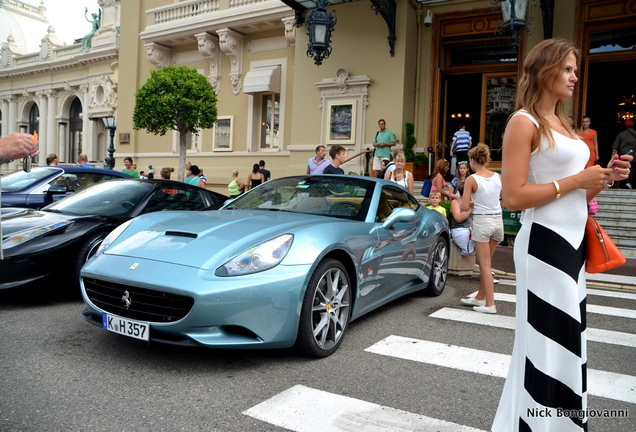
(19, 180)
(328, 195)
(114, 198)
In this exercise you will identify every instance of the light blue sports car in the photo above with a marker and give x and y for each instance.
(291, 262)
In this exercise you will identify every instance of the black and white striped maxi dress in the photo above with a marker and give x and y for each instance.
(546, 387)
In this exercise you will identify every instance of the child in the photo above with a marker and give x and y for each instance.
(433, 202)
(385, 163)
(462, 173)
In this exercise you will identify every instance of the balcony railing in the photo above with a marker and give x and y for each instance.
(185, 10)
(237, 3)
(192, 8)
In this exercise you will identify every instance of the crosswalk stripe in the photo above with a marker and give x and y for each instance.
(507, 322)
(611, 278)
(605, 384)
(613, 294)
(305, 409)
(590, 291)
(601, 310)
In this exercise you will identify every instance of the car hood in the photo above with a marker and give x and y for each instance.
(208, 239)
(15, 220)
(20, 219)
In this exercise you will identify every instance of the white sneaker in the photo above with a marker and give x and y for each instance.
(493, 279)
(486, 309)
(472, 301)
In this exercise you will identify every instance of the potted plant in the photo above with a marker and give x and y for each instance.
(415, 163)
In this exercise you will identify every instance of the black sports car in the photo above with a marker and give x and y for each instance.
(57, 240)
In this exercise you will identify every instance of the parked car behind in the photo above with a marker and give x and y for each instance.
(55, 242)
(44, 185)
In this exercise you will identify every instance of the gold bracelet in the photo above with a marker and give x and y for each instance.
(558, 189)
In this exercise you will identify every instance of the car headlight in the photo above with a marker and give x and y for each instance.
(110, 238)
(24, 236)
(257, 259)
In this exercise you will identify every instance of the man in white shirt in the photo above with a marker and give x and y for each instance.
(316, 165)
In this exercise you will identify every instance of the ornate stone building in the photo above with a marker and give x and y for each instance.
(58, 90)
(434, 63)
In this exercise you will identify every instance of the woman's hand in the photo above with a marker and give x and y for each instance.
(596, 177)
(620, 167)
(593, 177)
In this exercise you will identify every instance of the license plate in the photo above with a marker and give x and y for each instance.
(117, 324)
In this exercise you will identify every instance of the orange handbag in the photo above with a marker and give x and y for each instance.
(601, 253)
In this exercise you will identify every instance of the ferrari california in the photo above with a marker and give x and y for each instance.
(291, 262)
(56, 241)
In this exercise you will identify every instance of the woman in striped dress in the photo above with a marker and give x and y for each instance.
(543, 174)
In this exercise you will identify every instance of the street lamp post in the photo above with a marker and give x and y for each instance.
(110, 123)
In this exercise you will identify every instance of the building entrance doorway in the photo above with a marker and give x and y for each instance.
(611, 99)
(463, 100)
(476, 79)
(480, 101)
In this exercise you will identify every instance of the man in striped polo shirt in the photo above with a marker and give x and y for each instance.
(462, 142)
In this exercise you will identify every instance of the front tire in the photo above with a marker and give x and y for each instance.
(326, 310)
(84, 253)
(439, 268)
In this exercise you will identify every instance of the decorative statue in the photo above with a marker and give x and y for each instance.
(86, 40)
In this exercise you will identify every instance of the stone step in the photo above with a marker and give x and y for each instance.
(627, 252)
(616, 207)
(627, 241)
(625, 221)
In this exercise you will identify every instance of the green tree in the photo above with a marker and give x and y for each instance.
(175, 98)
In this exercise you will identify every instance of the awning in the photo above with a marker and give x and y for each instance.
(262, 79)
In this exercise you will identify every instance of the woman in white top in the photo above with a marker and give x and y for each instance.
(484, 187)
(400, 175)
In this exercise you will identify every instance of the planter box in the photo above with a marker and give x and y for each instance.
(420, 172)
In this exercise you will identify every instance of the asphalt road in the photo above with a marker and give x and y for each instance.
(59, 373)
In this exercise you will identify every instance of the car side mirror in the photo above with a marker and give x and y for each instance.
(58, 188)
(399, 215)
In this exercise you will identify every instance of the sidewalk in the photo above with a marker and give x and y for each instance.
(621, 278)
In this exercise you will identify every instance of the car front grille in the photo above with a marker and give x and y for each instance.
(143, 304)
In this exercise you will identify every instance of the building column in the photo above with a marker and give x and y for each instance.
(51, 141)
(87, 124)
(43, 106)
(5, 116)
(13, 115)
(62, 149)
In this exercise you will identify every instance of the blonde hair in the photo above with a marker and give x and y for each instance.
(480, 154)
(235, 172)
(435, 193)
(400, 157)
(542, 63)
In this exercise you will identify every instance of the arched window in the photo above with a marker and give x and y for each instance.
(34, 119)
